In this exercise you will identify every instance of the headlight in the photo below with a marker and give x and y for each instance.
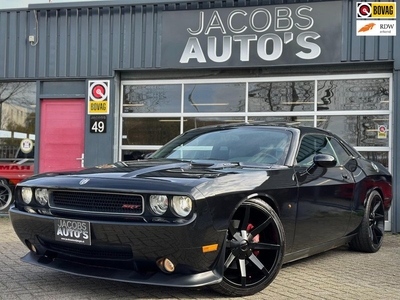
(42, 196)
(181, 205)
(26, 194)
(159, 204)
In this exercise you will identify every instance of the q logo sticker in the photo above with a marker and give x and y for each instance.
(363, 10)
(98, 97)
(98, 92)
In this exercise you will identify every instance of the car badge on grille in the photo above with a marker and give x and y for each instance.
(84, 181)
(131, 206)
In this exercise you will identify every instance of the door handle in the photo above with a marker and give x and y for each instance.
(82, 159)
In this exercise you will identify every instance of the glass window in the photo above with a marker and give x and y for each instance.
(378, 156)
(320, 144)
(17, 119)
(310, 145)
(245, 144)
(303, 121)
(339, 152)
(135, 154)
(149, 131)
(164, 98)
(196, 122)
(353, 94)
(281, 96)
(216, 97)
(365, 130)
(210, 102)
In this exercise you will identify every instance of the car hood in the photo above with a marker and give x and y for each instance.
(206, 177)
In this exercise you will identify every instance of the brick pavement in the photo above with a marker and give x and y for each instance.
(336, 274)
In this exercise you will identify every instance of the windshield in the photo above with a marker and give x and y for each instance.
(263, 145)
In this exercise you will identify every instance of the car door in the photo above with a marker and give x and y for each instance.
(325, 194)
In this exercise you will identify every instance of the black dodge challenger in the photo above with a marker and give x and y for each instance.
(223, 206)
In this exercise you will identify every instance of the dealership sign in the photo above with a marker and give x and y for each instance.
(99, 93)
(370, 12)
(253, 36)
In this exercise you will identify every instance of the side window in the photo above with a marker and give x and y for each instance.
(312, 145)
(340, 153)
(308, 148)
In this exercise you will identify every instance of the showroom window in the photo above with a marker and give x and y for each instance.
(214, 98)
(355, 107)
(17, 119)
(281, 96)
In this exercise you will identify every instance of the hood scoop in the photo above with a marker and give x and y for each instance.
(140, 172)
(195, 169)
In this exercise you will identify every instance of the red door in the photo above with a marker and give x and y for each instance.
(62, 124)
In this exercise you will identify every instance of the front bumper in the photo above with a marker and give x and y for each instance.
(156, 278)
(127, 251)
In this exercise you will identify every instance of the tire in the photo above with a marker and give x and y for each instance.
(5, 198)
(371, 231)
(255, 247)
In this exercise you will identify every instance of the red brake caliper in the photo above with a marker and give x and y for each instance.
(256, 239)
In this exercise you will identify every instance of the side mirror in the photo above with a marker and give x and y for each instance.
(324, 160)
(321, 161)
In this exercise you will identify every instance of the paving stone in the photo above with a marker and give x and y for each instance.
(338, 274)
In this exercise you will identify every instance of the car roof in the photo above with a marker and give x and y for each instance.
(295, 126)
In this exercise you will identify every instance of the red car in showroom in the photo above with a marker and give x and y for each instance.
(12, 171)
(220, 206)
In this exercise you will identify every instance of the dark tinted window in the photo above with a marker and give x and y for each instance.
(320, 144)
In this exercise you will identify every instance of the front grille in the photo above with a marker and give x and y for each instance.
(94, 202)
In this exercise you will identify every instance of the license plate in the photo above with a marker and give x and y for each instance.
(72, 231)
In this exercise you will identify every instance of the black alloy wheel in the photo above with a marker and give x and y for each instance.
(372, 228)
(254, 249)
(5, 197)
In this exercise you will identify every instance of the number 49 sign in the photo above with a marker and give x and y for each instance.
(98, 124)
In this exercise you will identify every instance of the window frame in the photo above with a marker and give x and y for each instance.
(310, 117)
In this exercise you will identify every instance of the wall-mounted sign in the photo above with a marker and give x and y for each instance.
(376, 10)
(98, 124)
(376, 28)
(370, 12)
(382, 132)
(99, 94)
(252, 36)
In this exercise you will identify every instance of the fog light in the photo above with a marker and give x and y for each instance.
(30, 246)
(44, 212)
(30, 210)
(166, 265)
